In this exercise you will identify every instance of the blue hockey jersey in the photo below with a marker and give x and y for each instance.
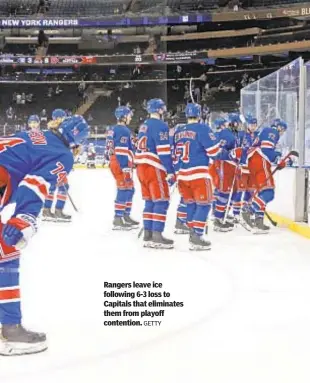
(245, 140)
(34, 161)
(265, 144)
(154, 146)
(119, 145)
(195, 145)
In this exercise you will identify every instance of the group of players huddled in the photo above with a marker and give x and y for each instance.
(227, 168)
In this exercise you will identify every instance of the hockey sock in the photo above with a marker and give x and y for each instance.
(247, 196)
(261, 200)
(120, 203)
(160, 215)
(148, 215)
(236, 203)
(61, 196)
(130, 194)
(61, 200)
(200, 218)
(182, 211)
(10, 311)
(220, 206)
(49, 201)
(191, 208)
(50, 198)
(215, 195)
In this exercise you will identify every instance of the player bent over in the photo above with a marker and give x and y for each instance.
(30, 163)
(195, 144)
(260, 159)
(155, 170)
(121, 165)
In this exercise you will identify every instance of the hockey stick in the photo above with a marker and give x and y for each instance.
(191, 90)
(71, 201)
(272, 221)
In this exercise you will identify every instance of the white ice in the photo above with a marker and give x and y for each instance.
(246, 314)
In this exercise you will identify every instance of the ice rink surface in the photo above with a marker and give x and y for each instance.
(246, 314)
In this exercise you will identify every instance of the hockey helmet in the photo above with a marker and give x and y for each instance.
(234, 118)
(193, 110)
(219, 122)
(59, 114)
(74, 130)
(34, 118)
(251, 120)
(122, 112)
(278, 123)
(156, 105)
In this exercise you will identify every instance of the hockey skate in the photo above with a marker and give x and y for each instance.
(181, 228)
(219, 225)
(119, 223)
(246, 220)
(47, 215)
(147, 238)
(259, 226)
(61, 217)
(230, 219)
(16, 340)
(197, 243)
(236, 220)
(160, 242)
(132, 222)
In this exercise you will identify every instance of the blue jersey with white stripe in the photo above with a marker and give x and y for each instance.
(154, 145)
(34, 161)
(245, 140)
(119, 144)
(265, 144)
(195, 144)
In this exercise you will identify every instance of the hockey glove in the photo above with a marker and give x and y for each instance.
(171, 178)
(235, 154)
(283, 163)
(18, 230)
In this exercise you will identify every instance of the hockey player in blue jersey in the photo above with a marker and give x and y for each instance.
(195, 145)
(225, 170)
(245, 140)
(180, 224)
(155, 172)
(30, 163)
(119, 146)
(260, 158)
(57, 193)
